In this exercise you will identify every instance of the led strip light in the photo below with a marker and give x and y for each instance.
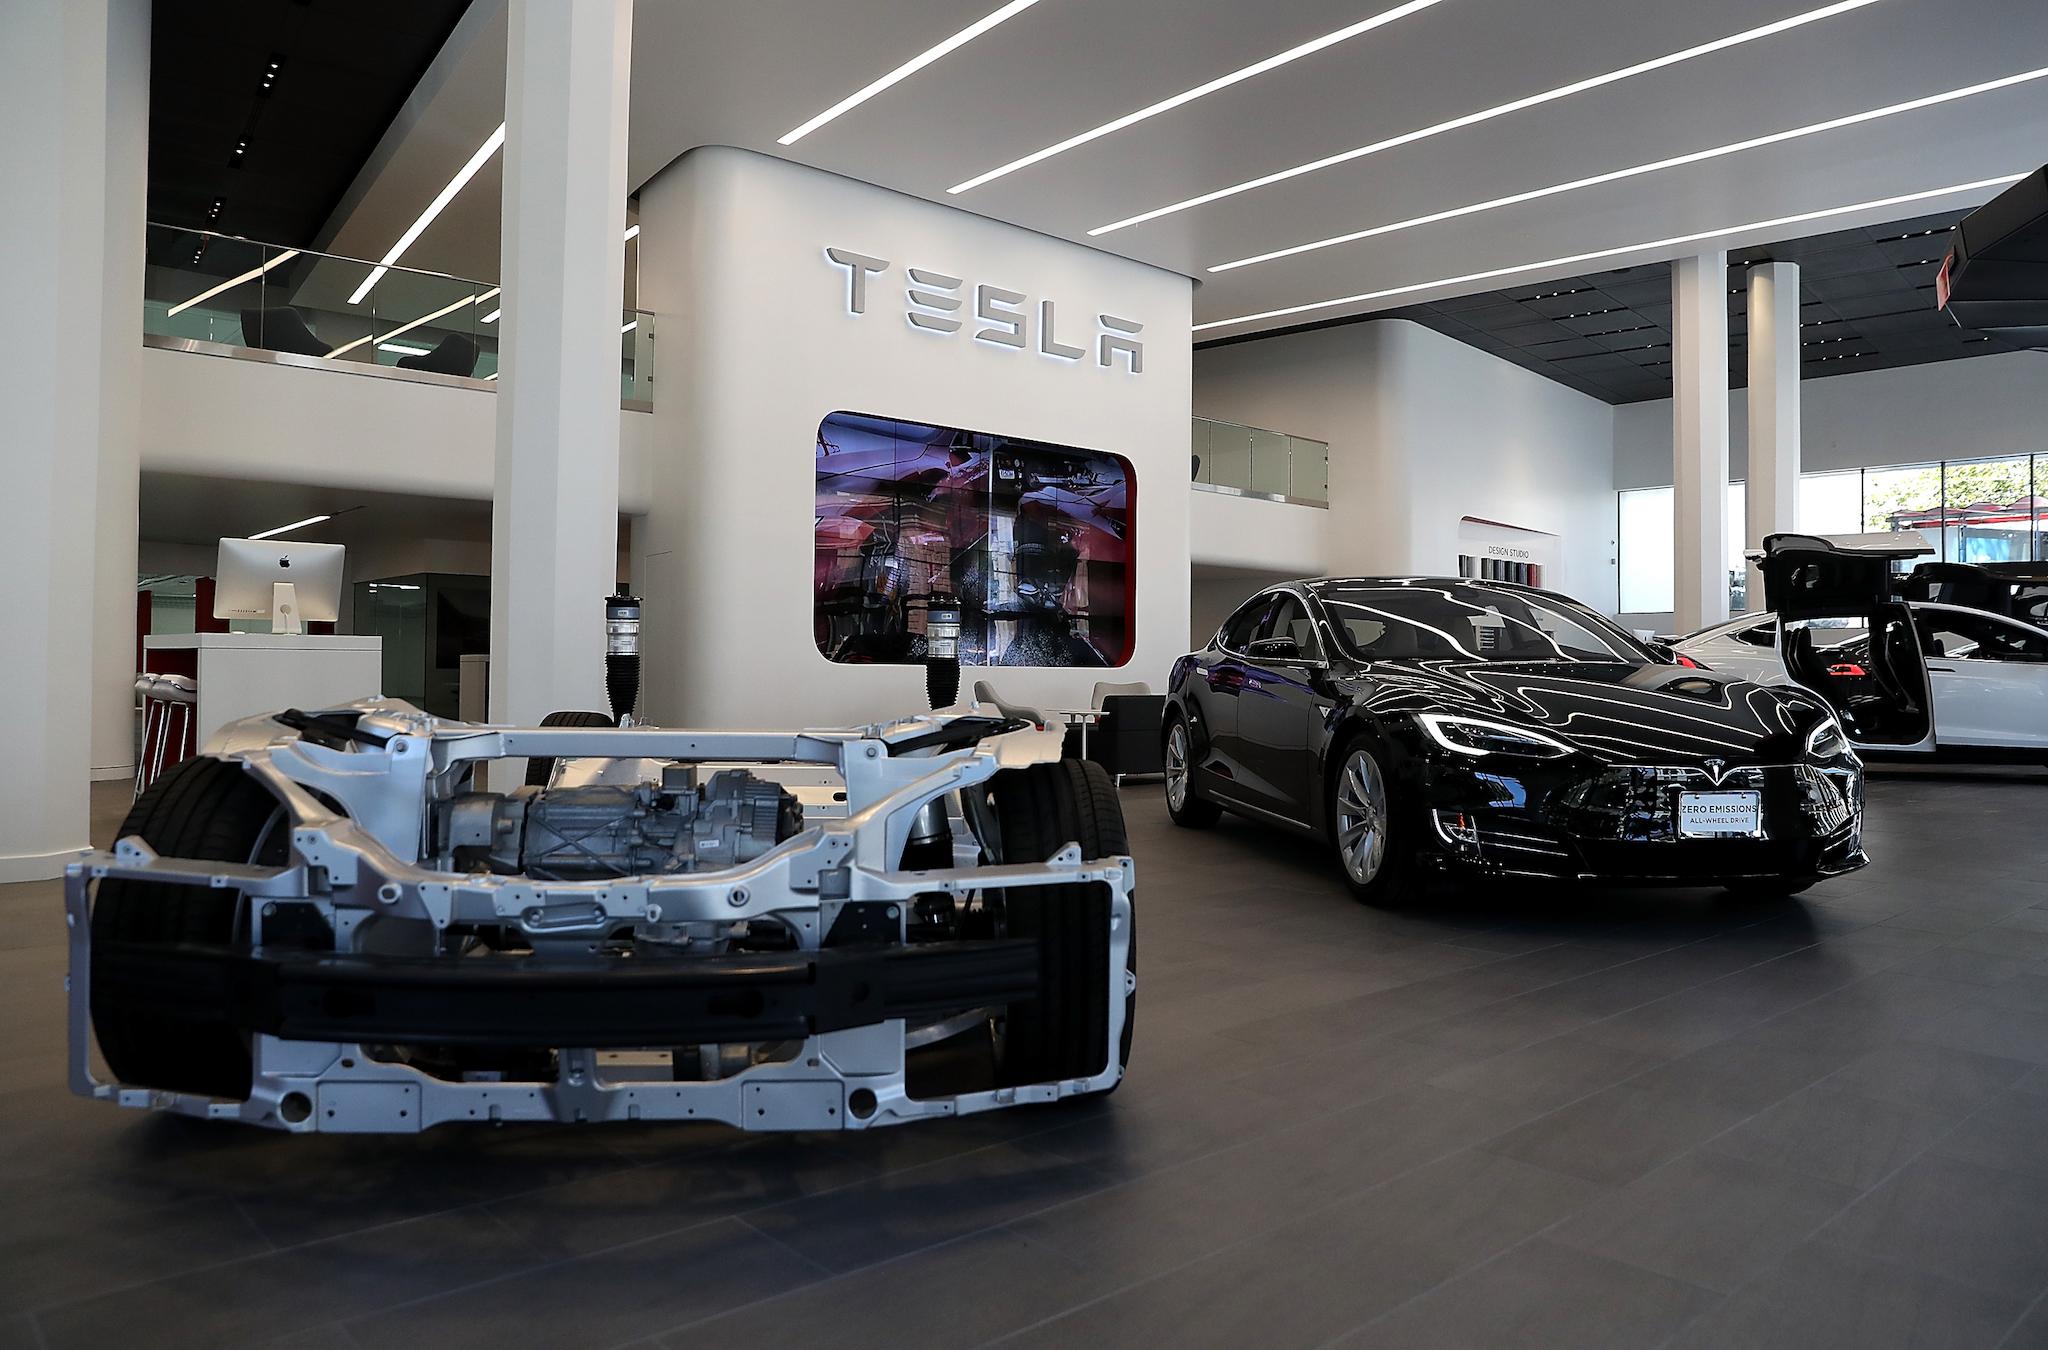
(232, 282)
(1635, 171)
(1572, 260)
(434, 208)
(907, 69)
(1500, 110)
(1187, 96)
(403, 328)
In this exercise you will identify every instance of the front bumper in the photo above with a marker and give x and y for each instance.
(1566, 820)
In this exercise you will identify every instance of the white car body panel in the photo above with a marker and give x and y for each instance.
(1979, 702)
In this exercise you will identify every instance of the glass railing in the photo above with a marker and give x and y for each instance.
(255, 297)
(1226, 456)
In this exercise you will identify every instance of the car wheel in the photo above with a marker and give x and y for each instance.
(542, 768)
(204, 808)
(1366, 824)
(1185, 808)
(1063, 1033)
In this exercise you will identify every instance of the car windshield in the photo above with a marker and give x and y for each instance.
(1419, 621)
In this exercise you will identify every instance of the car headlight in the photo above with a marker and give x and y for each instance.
(1479, 736)
(1827, 740)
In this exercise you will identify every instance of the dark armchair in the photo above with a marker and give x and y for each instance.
(452, 355)
(279, 328)
(1126, 740)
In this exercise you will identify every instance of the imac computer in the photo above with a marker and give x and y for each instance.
(289, 584)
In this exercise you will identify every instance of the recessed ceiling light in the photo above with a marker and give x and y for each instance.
(632, 233)
(1637, 170)
(492, 317)
(629, 326)
(231, 282)
(405, 328)
(295, 525)
(403, 348)
(434, 208)
(1488, 114)
(1187, 96)
(907, 69)
(1547, 264)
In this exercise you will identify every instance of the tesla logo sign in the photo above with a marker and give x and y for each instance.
(937, 303)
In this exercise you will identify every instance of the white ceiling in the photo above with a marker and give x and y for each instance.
(715, 72)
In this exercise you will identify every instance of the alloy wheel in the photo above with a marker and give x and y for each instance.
(1177, 766)
(1362, 816)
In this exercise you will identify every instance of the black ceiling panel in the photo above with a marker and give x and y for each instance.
(1866, 303)
(262, 112)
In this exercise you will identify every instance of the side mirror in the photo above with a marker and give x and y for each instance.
(1274, 649)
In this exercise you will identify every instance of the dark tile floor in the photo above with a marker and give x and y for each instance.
(1508, 1118)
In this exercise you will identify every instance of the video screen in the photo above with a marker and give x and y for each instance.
(1032, 540)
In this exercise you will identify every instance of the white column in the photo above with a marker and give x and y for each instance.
(554, 519)
(1699, 439)
(120, 392)
(1773, 487)
(58, 90)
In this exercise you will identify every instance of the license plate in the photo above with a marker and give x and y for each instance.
(1719, 815)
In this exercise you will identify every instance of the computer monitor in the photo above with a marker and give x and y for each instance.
(289, 584)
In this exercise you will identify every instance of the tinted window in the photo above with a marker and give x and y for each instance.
(1290, 620)
(1240, 628)
(1977, 637)
(1459, 620)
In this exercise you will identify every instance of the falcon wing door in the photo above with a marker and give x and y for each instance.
(1816, 586)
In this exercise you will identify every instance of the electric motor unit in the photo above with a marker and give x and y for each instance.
(605, 830)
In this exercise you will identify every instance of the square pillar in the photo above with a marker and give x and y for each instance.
(1699, 440)
(555, 501)
(76, 131)
(1773, 491)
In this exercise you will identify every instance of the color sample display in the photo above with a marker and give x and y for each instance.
(1034, 540)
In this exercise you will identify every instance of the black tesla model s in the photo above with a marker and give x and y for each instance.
(1428, 727)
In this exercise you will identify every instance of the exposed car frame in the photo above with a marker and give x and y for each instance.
(848, 999)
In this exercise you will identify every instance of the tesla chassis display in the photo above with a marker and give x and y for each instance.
(323, 924)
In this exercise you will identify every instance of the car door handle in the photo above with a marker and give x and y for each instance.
(1942, 670)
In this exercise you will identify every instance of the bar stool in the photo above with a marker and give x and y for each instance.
(174, 698)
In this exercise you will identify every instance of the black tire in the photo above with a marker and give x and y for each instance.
(203, 808)
(1063, 1032)
(540, 769)
(1389, 879)
(1194, 811)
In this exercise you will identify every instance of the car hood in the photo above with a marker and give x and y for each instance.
(1623, 713)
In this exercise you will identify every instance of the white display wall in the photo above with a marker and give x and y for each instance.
(760, 343)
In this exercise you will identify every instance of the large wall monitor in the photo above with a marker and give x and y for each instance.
(1035, 540)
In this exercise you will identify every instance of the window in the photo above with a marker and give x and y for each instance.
(1240, 628)
(1645, 548)
(1290, 620)
(1470, 622)
(1979, 637)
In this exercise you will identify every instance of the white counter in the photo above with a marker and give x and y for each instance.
(245, 674)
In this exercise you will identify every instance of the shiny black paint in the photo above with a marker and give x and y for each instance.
(1267, 737)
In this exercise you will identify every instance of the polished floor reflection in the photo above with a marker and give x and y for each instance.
(1531, 1119)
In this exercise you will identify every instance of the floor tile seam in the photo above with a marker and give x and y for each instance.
(2021, 1320)
(270, 1249)
(485, 1205)
(1502, 1255)
(1862, 1194)
(1247, 1239)
(811, 1261)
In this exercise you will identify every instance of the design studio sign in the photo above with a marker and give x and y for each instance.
(934, 302)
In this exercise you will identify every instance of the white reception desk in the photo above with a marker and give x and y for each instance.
(245, 674)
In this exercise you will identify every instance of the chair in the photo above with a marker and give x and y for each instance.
(452, 355)
(279, 328)
(984, 694)
(1126, 739)
(168, 701)
(1106, 689)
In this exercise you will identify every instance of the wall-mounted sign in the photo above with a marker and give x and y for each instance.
(935, 303)
(1493, 551)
